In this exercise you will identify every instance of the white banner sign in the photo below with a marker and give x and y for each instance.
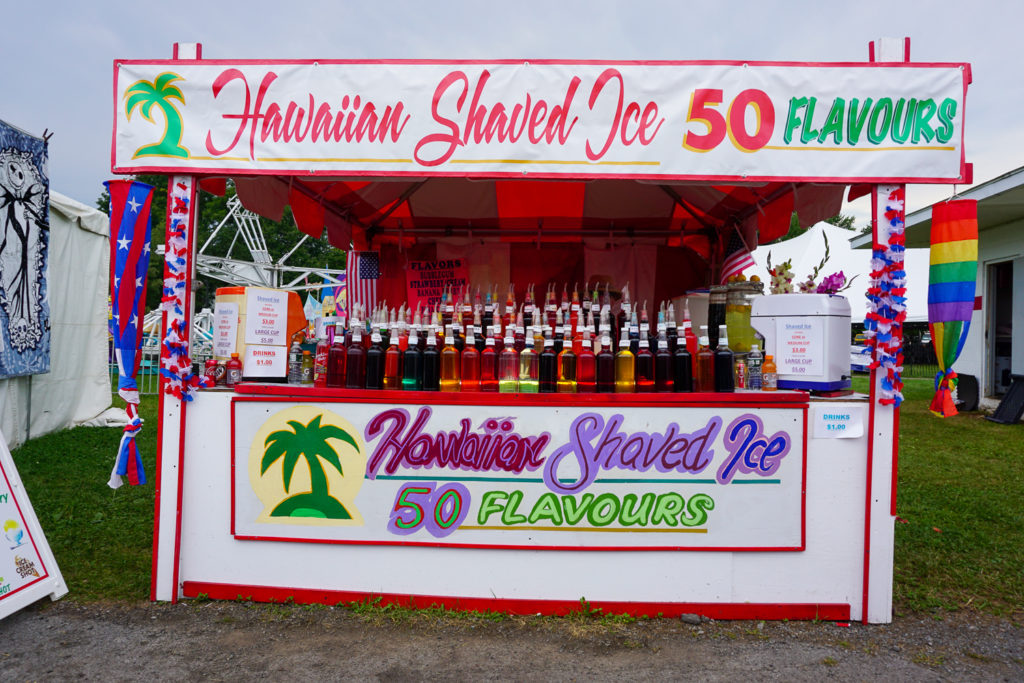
(727, 121)
(225, 329)
(519, 476)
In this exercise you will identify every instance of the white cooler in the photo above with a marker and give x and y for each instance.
(809, 336)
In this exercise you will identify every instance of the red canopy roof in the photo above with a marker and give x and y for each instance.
(389, 210)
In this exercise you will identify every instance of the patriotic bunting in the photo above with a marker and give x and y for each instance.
(887, 294)
(129, 247)
(175, 364)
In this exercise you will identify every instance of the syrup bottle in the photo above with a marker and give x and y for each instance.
(682, 369)
(375, 363)
(644, 364)
(489, 367)
(393, 362)
(625, 368)
(566, 371)
(663, 380)
(336, 361)
(586, 366)
(320, 363)
(548, 368)
(725, 378)
(508, 366)
(449, 363)
(704, 376)
(529, 370)
(431, 365)
(355, 361)
(412, 361)
(469, 374)
(605, 366)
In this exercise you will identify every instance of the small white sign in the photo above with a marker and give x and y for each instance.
(265, 361)
(225, 329)
(838, 422)
(266, 316)
(800, 347)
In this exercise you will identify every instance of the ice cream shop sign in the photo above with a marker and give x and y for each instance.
(520, 476)
(729, 120)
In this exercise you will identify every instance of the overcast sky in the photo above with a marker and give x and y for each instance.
(58, 57)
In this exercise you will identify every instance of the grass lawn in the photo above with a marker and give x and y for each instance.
(961, 487)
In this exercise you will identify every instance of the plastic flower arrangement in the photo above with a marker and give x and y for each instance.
(782, 278)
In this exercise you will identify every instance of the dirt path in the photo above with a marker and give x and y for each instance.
(234, 641)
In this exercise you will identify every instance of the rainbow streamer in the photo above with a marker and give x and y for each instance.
(951, 277)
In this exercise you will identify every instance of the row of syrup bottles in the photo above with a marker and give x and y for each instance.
(527, 359)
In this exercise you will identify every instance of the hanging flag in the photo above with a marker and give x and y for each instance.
(951, 278)
(737, 257)
(363, 271)
(129, 254)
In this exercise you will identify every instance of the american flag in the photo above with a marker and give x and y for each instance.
(129, 247)
(362, 272)
(737, 257)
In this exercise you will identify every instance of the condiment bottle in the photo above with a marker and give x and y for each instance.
(431, 365)
(489, 367)
(724, 373)
(547, 372)
(355, 361)
(625, 367)
(663, 367)
(412, 362)
(234, 371)
(375, 362)
(769, 374)
(469, 374)
(449, 363)
(704, 377)
(508, 366)
(606, 366)
(644, 364)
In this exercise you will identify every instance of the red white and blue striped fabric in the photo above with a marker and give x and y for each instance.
(129, 251)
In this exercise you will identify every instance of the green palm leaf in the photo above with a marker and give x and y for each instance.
(290, 460)
(274, 450)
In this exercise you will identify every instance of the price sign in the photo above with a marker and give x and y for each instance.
(266, 317)
(225, 329)
(800, 347)
(265, 362)
(845, 421)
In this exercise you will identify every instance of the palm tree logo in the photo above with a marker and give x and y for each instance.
(143, 95)
(309, 441)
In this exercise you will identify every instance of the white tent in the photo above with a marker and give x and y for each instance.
(807, 250)
(77, 388)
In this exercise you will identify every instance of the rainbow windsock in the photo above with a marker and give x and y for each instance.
(951, 278)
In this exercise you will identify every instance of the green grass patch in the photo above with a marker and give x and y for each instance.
(102, 538)
(961, 482)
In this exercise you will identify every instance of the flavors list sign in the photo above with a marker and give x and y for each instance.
(730, 120)
(520, 476)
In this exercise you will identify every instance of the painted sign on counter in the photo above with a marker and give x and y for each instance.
(520, 476)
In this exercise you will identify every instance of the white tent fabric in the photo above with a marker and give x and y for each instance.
(807, 250)
(77, 388)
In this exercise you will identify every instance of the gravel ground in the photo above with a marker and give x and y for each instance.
(242, 641)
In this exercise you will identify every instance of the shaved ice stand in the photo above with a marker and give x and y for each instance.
(733, 505)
